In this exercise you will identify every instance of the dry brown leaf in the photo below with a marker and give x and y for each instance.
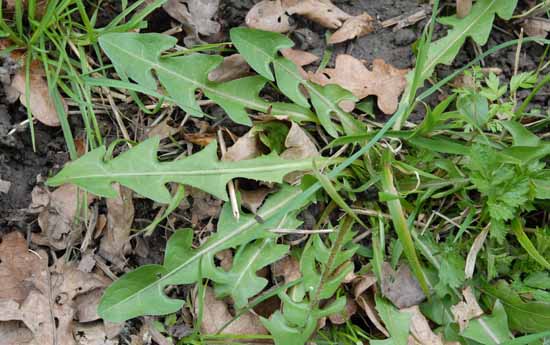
(299, 57)
(299, 146)
(226, 259)
(41, 104)
(421, 333)
(463, 8)
(472, 254)
(216, 314)
(401, 287)
(253, 199)
(367, 304)
(233, 67)
(201, 139)
(15, 333)
(536, 27)
(115, 244)
(353, 27)
(58, 211)
(86, 306)
(362, 283)
(205, 206)
(92, 334)
(195, 15)
(346, 314)
(268, 15)
(246, 147)
(384, 81)
(288, 268)
(466, 310)
(322, 12)
(44, 318)
(19, 267)
(162, 129)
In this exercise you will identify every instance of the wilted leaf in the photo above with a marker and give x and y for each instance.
(41, 103)
(401, 287)
(233, 67)
(268, 15)
(384, 81)
(323, 12)
(216, 314)
(353, 27)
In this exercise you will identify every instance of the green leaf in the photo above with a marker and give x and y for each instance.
(140, 170)
(525, 80)
(284, 333)
(241, 282)
(477, 25)
(140, 292)
(489, 330)
(521, 135)
(542, 184)
(517, 228)
(526, 317)
(475, 108)
(137, 55)
(260, 48)
(451, 273)
(396, 322)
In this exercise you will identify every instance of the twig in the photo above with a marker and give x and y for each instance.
(405, 20)
(230, 184)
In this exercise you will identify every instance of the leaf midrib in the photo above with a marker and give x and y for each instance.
(453, 42)
(212, 246)
(293, 165)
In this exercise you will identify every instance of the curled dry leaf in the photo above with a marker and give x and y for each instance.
(472, 254)
(466, 310)
(353, 27)
(323, 12)
(115, 244)
(365, 301)
(58, 211)
(400, 286)
(232, 67)
(41, 104)
(268, 15)
(216, 314)
(195, 15)
(384, 81)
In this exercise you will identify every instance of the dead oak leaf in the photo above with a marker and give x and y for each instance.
(384, 81)
(195, 15)
(19, 267)
(353, 27)
(268, 15)
(322, 12)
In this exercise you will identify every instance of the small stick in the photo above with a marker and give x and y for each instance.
(230, 184)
